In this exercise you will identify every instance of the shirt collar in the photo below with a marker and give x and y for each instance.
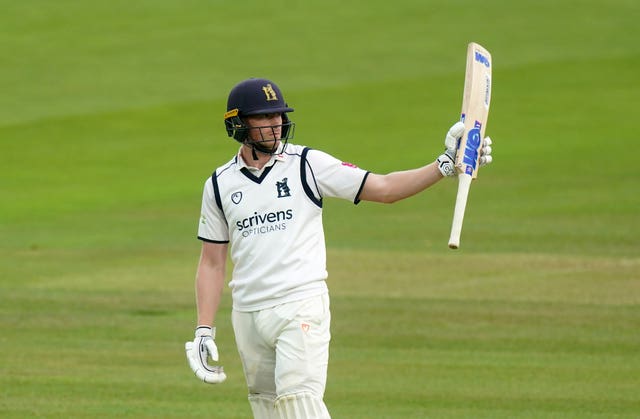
(274, 158)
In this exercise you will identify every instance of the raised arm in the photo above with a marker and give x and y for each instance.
(395, 186)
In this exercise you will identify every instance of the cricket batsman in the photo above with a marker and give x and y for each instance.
(264, 208)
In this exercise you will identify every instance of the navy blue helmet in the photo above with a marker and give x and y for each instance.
(255, 97)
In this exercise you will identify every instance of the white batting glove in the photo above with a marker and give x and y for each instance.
(198, 352)
(447, 160)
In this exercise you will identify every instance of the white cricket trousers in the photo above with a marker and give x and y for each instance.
(285, 351)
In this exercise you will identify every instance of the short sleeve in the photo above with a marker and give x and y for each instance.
(212, 226)
(335, 178)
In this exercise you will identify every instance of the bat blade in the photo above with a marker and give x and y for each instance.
(476, 100)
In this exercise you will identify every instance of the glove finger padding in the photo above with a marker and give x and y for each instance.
(446, 161)
(211, 347)
(485, 152)
(197, 353)
(453, 137)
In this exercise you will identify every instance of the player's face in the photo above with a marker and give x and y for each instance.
(266, 128)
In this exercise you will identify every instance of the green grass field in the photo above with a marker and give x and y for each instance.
(111, 119)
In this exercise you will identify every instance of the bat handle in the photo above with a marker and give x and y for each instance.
(464, 183)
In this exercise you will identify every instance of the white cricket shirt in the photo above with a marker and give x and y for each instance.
(272, 221)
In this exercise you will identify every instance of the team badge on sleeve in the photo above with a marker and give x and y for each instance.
(346, 163)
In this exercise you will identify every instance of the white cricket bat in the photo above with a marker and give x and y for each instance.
(475, 111)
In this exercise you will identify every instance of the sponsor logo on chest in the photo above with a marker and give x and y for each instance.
(264, 222)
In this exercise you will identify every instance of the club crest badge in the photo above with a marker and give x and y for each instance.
(236, 197)
(283, 188)
(269, 92)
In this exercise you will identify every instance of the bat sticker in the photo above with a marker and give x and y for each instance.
(470, 158)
